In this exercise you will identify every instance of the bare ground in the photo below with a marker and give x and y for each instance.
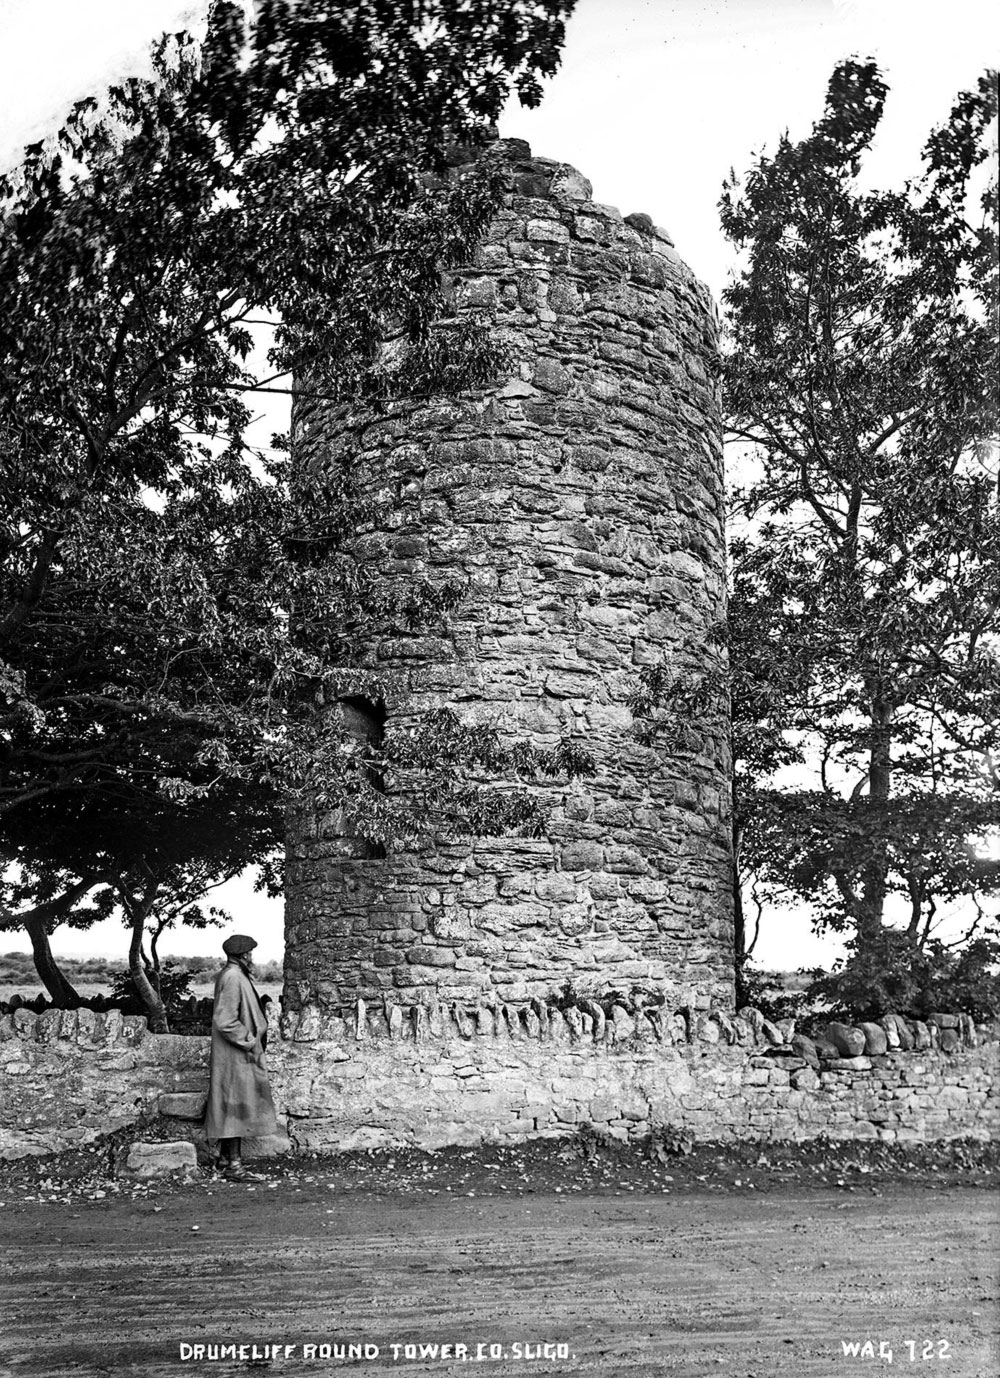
(747, 1263)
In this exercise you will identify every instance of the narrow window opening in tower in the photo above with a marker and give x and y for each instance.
(364, 721)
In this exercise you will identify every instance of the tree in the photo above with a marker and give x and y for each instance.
(156, 859)
(747, 685)
(172, 607)
(39, 901)
(286, 173)
(860, 371)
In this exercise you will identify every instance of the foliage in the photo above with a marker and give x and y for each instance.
(282, 174)
(267, 971)
(588, 1143)
(14, 966)
(897, 977)
(633, 1000)
(861, 370)
(666, 1142)
(155, 859)
(924, 840)
(567, 997)
(173, 985)
(92, 970)
(18, 968)
(776, 994)
(864, 620)
(174, 607)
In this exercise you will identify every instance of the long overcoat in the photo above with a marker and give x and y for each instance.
(239, 1097)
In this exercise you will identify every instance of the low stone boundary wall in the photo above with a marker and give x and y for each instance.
(433, 1076)
(430, 1076)
(68, 1076)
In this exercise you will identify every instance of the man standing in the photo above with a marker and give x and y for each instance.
(239, 1097)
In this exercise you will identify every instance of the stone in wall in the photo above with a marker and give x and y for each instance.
(580, 501)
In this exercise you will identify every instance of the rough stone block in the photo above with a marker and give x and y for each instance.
(944, 1021)
(850, 1064)
(595, 1013)
(863, 1129)
(268, 1145)
(150, 1160)
(876, 1041)
(848, 1041)
(134, 1028)
(602, 1109)
(307, 1027)
(183, 1105)
(547, 230)
(582, 856)
(785, 1057)
(805, 1047)
(47, 1025)
(69, 1023)
(826, 1049)
(431, 956)
(751, 1016)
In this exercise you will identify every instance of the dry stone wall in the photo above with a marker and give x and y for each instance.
(580, 503)
(440, 1075)
(430, 1076)
(69, 1076)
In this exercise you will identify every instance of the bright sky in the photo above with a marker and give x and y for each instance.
(655, 101)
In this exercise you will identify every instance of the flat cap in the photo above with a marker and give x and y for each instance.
(238, 944)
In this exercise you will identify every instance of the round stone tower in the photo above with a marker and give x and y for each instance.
(580, 500)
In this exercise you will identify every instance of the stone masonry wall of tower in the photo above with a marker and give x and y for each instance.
(581, 499)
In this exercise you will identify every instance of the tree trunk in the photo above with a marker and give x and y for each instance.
(155, 1010)
(154, 957)
(60, 991)
(876, 872)
(739, 919)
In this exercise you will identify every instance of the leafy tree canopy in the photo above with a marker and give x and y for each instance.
(173, 604)
(864, 624)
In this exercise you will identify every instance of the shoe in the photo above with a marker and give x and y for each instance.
(234, 1171)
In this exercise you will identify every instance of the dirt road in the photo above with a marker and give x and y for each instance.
(740, 1284)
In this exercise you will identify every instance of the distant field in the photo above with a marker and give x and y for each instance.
(29, 989)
